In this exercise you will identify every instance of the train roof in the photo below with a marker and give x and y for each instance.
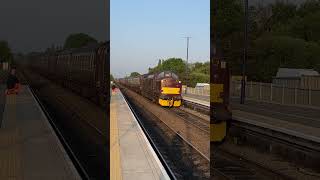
(161, 74)
(89, 47)
(86, 49)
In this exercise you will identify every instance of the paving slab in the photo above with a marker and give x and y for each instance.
(133, 156)
(29, 147)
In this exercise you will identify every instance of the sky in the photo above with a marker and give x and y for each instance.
(34, 25)
(144, 31)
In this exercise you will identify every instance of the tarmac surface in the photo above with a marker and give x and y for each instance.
(295, 114)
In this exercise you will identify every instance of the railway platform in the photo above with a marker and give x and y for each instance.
(203, 100)
(296, 121)
(29, 146)
(131, 154)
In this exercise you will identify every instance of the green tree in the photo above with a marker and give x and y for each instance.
(154, 69)
(308, 7)
(198, 78)
(282, 12)
(111, 77)
(200, 72)
(272, 52)
(229, 17)
(176, 65)
(230, 30)
(306, 27)
(78, 40)
(134, 74)
(159, 62)
(5, 52)
(281, 34)
(201, 68)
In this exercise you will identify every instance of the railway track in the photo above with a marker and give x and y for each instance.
(275, 154)
(180, 157)
(197, 107)
(234, 167)
(81, 170)
(194, 120)
(227, 166)
(70, 115)
(299, 155)
(253, 152)
(83, 173)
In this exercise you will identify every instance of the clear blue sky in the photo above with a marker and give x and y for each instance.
(144, 31)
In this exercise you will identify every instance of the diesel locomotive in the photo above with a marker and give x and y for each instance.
(220, 112)
(82, 70)
(163, 88)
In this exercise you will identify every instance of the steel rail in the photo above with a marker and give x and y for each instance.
(153, 144)
(74, 159)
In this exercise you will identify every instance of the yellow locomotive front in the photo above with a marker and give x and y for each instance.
(219, 100)
(170, 89)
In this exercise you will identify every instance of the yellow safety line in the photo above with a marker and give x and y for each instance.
(115, 162)
(10, 163)
(11, 103)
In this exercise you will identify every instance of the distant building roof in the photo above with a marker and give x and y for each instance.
(295, 73)
(202, 84)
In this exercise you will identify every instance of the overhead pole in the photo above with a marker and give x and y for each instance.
(187, 37)
(213, 32)
(245, 53)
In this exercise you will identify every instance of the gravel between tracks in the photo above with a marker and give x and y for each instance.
(282, 168)
(184, 161)
(198, 138)
(82, 123)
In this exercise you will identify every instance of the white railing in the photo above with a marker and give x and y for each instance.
(268, 92)
(274, 93)
(196, 91)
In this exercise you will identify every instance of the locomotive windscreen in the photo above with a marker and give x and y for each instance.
(167, 74)
(174, 76)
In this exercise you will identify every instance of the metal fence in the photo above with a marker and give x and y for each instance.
(197, 91)
(269, 92)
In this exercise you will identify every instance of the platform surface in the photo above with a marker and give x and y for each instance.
(131, 155)
(203, 100)
(29, 147)
(297, 121)
(296, 114)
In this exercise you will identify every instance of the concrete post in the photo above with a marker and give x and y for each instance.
(271, 92)
(309, 96)
(260, 90)
(282, 97)
(295, 95)
(251, 94)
